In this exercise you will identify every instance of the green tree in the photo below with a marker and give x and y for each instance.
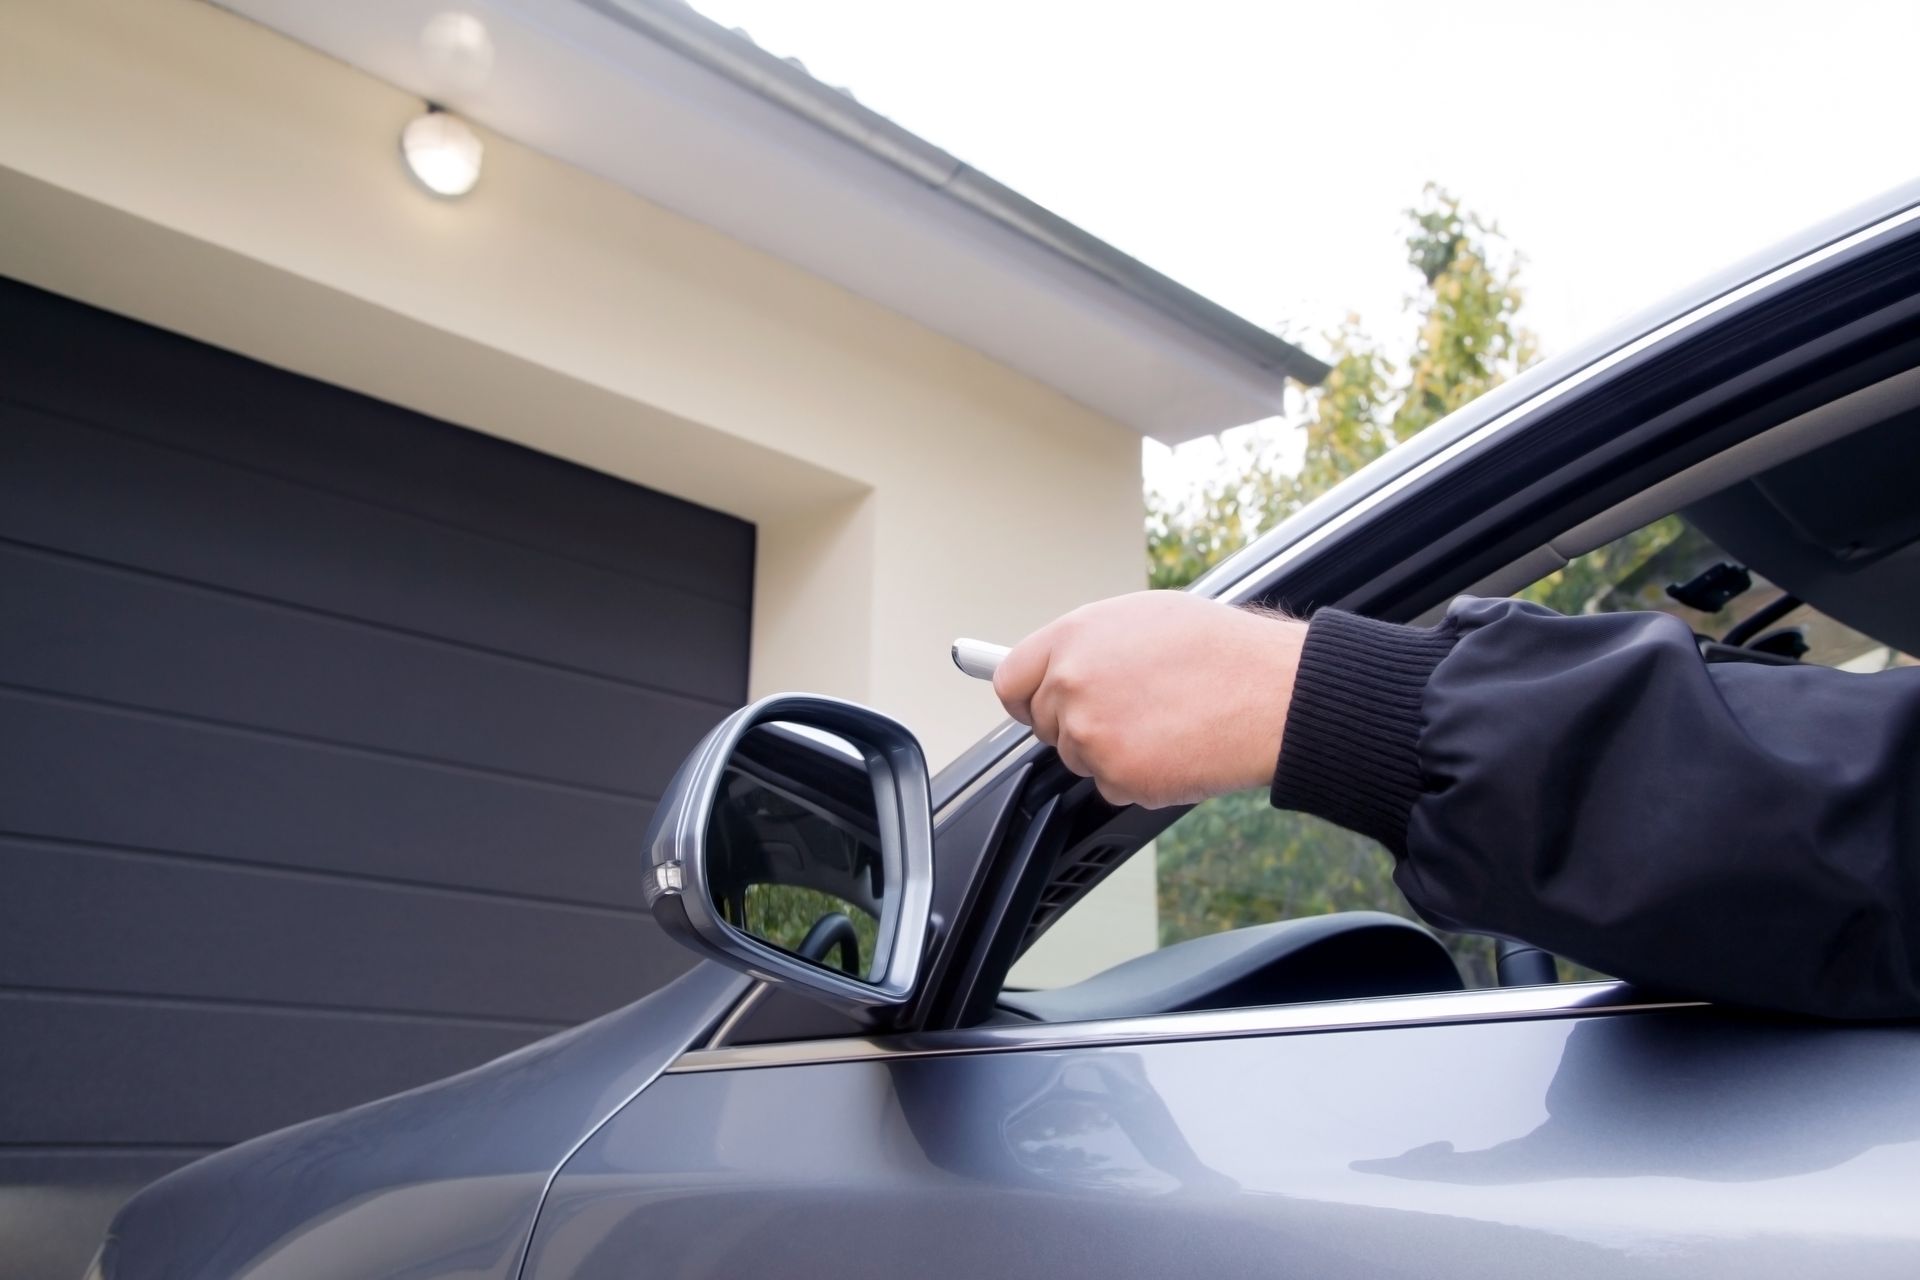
(1468, 297)
(1234, 860)
(784, 914)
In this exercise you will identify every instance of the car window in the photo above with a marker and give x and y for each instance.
(1235, 861)
(1635, 572)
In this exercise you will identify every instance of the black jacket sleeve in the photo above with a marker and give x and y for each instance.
(1741, 832)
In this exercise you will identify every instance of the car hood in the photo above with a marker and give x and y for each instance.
(443, 1180)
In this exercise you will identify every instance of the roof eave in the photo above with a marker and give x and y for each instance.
(738, 59)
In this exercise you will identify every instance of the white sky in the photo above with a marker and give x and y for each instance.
(1261, 153)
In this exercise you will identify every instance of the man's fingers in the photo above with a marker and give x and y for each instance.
(1044, 711)
(1019, 675)
(1074, 757)
(1071, 755)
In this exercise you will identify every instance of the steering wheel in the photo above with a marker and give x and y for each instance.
(833, 930)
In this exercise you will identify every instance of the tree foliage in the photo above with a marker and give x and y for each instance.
(1236, 861)
(1469, 341)
(784, 914)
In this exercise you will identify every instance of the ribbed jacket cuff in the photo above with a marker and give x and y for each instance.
(1350, 752)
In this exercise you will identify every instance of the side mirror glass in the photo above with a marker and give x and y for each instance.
(795, 844)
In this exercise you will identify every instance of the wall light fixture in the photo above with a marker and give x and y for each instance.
(443, 152)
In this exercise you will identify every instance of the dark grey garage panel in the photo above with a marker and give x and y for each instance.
(328, 734)
(243, 413)
(157, 1067)
(144, 925)
(114, 498)
(110, 776)
(227, 658)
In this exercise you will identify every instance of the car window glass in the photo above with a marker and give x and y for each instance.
(1234, 861)
(1635, 571)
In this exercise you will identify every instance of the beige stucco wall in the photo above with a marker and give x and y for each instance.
(171, 161)
(1118, 920)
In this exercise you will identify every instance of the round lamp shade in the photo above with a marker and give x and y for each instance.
(443, 153)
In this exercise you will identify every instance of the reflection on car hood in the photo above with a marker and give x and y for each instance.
(441, 1180)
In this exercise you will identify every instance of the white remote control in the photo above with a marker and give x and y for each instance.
(978, 658)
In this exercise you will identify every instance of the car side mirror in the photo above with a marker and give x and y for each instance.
(796, 844)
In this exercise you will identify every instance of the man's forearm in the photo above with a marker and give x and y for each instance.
(1589, 785)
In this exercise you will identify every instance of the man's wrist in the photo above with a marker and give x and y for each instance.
(1273, 663)
(1350, 749)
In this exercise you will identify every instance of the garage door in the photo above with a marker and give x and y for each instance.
(328, 734)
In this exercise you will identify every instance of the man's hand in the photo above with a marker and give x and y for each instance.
(1160, 697)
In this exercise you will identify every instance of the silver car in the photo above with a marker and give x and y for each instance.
(853, 1086)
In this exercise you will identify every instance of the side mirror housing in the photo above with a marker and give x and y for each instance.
(796, 844)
